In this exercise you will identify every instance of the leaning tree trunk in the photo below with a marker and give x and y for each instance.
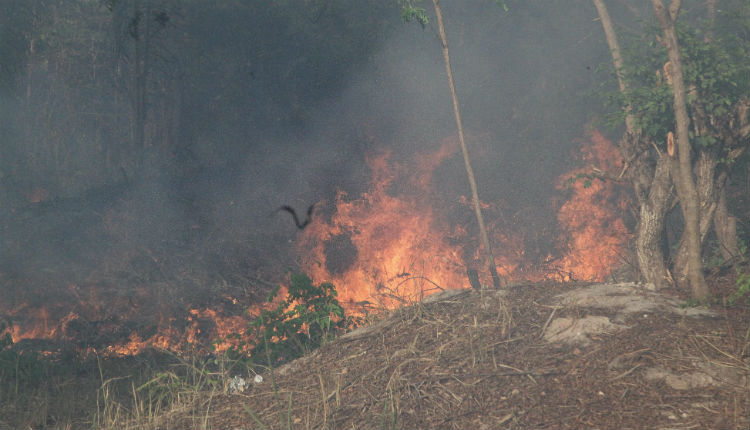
(465, 152)
(684, 174)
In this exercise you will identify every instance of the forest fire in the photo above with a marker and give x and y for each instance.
(397, 242)
(592, 230)
(197, 327)
(383, 249)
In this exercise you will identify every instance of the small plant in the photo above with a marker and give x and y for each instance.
(715, 260)
(743, 286)
(308, 317)
(743, 277)
(690, 303)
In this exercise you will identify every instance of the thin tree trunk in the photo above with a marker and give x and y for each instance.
(142, 41)
(711, 15)
(684, 177)
(465, 152)
(614, 49)
(708, 185)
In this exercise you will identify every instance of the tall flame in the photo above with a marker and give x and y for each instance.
(391, 246)
(592, 230)
(385, 249)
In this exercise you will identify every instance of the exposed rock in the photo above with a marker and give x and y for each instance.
(577, 331)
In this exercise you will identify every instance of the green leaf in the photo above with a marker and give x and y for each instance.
(410, 12)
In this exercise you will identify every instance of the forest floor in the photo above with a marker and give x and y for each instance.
(537, 355)
(563, 356)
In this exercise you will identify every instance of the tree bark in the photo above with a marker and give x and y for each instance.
(725, 226)
(708, 185)
(465, 152)
(650, 228)
(652, 185)
(684, 175)
(614, 49)
(711, 187)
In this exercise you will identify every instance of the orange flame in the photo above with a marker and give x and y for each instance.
(387, 248)
(393, 244)
(592, 233)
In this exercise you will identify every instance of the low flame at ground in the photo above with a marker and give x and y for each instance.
(394, 244)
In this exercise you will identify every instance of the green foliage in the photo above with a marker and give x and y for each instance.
(743, 274)
(410, 12)
(587, 180)
(503, 5)
(715, 260)
(307, 318)
(716, 71)
(743, 277)
(743, 286)
(184, 379)
(691, 303)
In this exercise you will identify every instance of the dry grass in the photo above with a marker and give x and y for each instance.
(474, 360)
(462, 363)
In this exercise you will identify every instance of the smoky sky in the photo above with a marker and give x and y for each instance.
(273, 114)
(523, 79)
(523, 82)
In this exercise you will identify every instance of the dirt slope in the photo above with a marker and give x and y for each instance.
(574, 356)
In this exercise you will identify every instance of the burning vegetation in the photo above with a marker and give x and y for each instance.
(593, 234)
(146, 145)
(394, 244)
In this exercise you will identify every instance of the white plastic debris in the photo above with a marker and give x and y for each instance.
(258, 379)
(237, 385)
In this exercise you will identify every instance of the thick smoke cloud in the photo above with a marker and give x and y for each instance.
(253, 107)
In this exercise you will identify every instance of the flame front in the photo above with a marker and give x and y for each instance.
(384, 249)
(397, 242)
(391, 246)
(592, 231)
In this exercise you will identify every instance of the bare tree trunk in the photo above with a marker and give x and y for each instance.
(614, 49)
(711, 15)
(652, 185)
(650, 228)
(706, 184)
(141, 36)
(465, 152)
(725, 226)
(711, 187)
(684, 178)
